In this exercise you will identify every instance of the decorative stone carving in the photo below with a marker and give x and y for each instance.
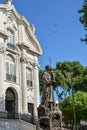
(2, 49)
(9, 2)
(33, 28)
(24, 59)
(30, 98)
(30, 63)
(28, 55)
(36, 65)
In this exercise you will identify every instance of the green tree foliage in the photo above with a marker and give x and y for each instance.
(83, 18)
(80, 99)
(71, 74)
(68, 74)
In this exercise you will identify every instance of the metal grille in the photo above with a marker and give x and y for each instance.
(11, 46)
(29, 83)
(11, 77)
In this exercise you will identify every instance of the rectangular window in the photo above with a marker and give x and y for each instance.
(12, 68)
(29, 77)
(10, 72)
(10, 42)
(31, 108)
(11, 36)
(7, 68)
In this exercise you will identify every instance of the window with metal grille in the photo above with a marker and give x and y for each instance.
(10, 42)
(29, 77)
(10, 69)
(31, 108)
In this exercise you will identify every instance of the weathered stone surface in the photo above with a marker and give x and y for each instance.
(19, 43)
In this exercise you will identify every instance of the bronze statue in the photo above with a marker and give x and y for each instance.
(49, 118)
(48, 80)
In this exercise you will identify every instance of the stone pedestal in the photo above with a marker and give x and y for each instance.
(49, 120)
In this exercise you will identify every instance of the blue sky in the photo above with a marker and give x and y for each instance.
(57, 28)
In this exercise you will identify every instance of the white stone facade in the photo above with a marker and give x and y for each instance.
(19, 51)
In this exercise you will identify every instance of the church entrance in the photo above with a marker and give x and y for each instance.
(10, 103)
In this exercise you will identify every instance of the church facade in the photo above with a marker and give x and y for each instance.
(19, 52)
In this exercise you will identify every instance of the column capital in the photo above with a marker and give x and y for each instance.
(2, 49)
(36, 65)
(31, 63)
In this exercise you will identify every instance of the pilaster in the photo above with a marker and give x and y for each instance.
(17, 70)
(21, 34)
(2, 92)
(24, 88)
(36, 89)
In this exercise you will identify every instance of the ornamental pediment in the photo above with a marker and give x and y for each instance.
(17, 23)
(31, 43)
(29, 39)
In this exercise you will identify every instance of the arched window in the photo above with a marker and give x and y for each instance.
(10, 68)
(10, 94)
(10, 42)
(29, 77)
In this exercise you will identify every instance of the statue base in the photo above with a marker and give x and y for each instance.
(49, 120)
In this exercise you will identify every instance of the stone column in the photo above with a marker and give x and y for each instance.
(24, 88)
(2, 91)
(36, 89)
(1, 21)
(1, 81)
(17, 70)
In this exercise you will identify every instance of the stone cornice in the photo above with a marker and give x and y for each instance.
(15, 12)
(34, 39)
(28, 47)
(13, 51)
(6, 8)
(3, 34)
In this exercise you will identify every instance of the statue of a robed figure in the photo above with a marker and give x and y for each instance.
(49, 116)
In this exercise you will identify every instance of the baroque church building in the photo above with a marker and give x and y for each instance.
(19, 52)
